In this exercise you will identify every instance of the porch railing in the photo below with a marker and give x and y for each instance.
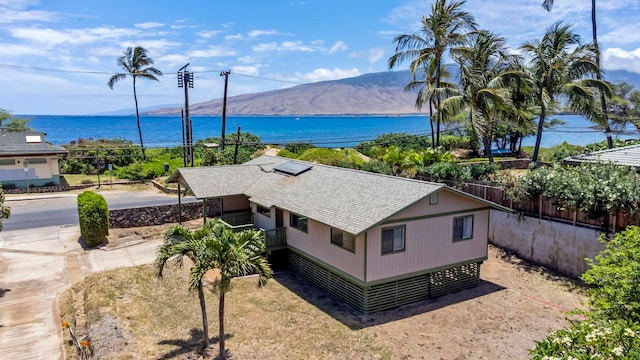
(275, 237)
(238, 219)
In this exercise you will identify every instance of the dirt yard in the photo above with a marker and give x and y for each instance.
(514, 305)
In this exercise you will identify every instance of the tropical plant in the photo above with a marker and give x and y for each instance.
(447, 26)
(93, 216)
(10, 123)
(611, 329)
(402, 140)
(560, 65)
(614, 275)
(486, 69)
(548, 5)
(215, 246)
(136, 63)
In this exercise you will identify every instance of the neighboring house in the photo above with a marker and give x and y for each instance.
(373, 241)
(27, 160)
(627, 155)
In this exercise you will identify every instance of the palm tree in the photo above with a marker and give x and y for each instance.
(485, 72)
(215, 246)
(136, 63)
(561, 66)
(548, 5)
(447, 26)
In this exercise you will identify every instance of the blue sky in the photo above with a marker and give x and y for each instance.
(57, 55)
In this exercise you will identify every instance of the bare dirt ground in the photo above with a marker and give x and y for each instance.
(515, 304)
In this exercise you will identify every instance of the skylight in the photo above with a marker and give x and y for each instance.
(33, 139)
(292, 168)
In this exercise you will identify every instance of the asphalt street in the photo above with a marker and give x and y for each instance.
(41, 210)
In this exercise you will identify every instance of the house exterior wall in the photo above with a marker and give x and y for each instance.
(317, 244)
(235, 203)
(37, 174)
(429, 238)
(262, 221)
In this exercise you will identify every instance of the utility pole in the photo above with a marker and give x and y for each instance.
(224, 106)
(185, 80)
(184, 143)
(235, 151)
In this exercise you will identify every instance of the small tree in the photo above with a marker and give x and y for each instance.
(214, 246)
(93, 214)
(5, 211)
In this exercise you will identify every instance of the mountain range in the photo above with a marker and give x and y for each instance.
(368, 94)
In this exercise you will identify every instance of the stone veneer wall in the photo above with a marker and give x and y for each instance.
(158, 215)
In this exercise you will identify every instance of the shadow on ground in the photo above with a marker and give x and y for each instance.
(356, 320)
(3, 291)
(192, 345)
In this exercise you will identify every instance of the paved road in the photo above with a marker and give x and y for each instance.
(36, 211)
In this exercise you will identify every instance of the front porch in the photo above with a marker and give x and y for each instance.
(275, 239)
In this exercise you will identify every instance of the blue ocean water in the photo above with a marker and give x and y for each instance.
(324, 131)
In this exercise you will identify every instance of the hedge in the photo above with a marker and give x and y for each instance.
(93, 213)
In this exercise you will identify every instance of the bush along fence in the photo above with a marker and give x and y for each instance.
(600, 196)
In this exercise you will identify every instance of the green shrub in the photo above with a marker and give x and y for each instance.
(449, 142)
(482, 171)
(401, 140)
(299, 147)
(286, 153)
(446, 171)
(93, 214)
(322, 155)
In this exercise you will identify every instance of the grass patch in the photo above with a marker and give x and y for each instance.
(144, 317)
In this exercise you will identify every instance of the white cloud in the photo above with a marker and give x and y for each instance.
(212, 51)
(257, 33)
(148, 25)
(375, 54)
(338, 46)
(245, 70)
(151, 45)
(328, 74)
(208, 33)
(285, 46)
(233, 37)
(51, 37)
(620, 59)
(15, 50)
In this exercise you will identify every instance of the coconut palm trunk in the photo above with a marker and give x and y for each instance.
(205, 323)
(223, 354)
(135, 98)
(603, 100)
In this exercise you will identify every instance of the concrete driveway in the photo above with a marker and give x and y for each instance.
(36, 266)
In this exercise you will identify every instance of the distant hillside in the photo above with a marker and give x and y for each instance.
(376, 93)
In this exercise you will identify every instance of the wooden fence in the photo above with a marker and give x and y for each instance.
(546, 208)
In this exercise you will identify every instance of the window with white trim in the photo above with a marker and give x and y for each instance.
(263, 211)
(298, 222)
(463, 228)
(393, 239)
(343, 239)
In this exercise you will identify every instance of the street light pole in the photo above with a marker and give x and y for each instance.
(224, 106)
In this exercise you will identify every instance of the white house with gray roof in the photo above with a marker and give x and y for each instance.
(373, 241)
(26, 159)
(626, 155)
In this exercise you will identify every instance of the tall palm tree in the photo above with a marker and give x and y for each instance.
(427, 91)
(447, 26)
(561, 66)
(214, 246)
(136, 63)
(485, 73)
(548, 5)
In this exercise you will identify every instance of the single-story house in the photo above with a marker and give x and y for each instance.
(373, 241)
(26, 159)
(626, 155)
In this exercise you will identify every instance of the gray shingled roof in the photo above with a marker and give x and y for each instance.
(628, 155)
(350, 200)
(15, 143)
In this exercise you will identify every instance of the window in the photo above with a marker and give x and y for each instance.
(298, 222)
(343, 239)
(7, 162)
(463, 228)
(36, 161)
(393, 239)
(433, 199)
(263, 211)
